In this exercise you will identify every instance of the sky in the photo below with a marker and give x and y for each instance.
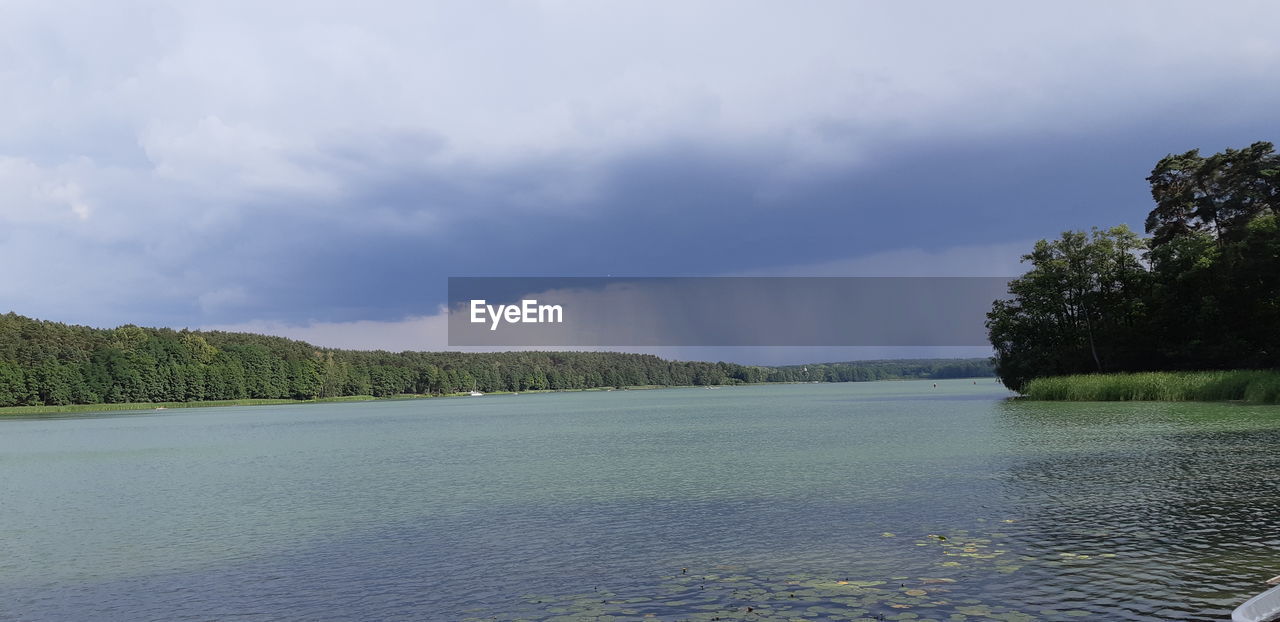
(318, 169)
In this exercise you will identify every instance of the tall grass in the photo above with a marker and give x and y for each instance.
(1254, 386)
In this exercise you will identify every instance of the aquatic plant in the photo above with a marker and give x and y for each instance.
(1253, 386)
(732, 593)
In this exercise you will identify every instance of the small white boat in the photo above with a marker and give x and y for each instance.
(476, 394)
(1264, 607)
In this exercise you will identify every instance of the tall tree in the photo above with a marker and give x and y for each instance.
(1075, 310)
(1218, 194)
(1210, 298)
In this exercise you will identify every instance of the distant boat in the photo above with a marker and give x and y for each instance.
(1261, 608)
(476, 394)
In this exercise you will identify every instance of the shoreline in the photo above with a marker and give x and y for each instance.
(140, 407)
(72, 409)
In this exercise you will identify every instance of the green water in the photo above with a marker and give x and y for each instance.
(889, 500)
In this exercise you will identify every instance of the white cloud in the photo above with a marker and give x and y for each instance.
(212, 155)
(30, 193)
(258, 84)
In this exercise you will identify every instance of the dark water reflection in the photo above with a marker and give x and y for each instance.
(1184, 495)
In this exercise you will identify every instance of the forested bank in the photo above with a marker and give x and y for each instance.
(50, 363)
(892, 369)
(1202, 292)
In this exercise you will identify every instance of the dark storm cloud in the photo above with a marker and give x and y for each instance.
(681, 210)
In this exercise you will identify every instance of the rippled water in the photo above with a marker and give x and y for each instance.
(891, 500)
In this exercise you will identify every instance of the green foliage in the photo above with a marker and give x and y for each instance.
(13, 385)
(1205, 295)
(49, 364)
(1254, 386)
(865, 371)
(1075, 310)
(1219, 194)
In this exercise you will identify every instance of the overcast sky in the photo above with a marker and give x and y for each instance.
(318, 169)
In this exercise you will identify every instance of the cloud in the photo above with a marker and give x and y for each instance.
(427, 332)
(1003, 259)
(221, 163)
(430, 332)
(529, 79)
(31, 194)
(220, 298)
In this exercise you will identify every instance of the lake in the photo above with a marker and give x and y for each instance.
(873, 501)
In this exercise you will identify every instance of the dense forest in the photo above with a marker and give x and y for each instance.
(1201, 293)
(894, 369)
(50, 363)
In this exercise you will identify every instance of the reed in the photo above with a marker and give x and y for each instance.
(1247, 385)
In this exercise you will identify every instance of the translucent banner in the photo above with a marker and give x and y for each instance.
(721, 311)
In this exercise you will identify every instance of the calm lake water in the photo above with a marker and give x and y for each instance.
(888, 500)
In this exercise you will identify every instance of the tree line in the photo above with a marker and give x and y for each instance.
(51, 363)
(1202, 292)
(895, 369)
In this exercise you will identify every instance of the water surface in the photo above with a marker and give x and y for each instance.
(888, 500)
